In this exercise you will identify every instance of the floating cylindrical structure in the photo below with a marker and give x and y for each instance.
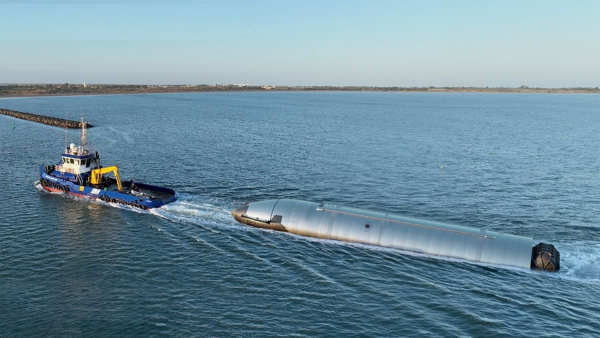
(398, 232)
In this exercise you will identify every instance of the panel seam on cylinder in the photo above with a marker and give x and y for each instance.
(274, 205)
(330, 226)
(479, 246)
(380, 232)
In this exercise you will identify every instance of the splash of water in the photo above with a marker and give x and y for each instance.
(39, 187)
(578, 261)
(198, 210)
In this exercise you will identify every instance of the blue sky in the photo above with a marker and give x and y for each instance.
(286, 42)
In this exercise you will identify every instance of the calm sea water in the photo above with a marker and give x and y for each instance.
(523, 164)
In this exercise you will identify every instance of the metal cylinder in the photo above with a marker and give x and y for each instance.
(386, 230)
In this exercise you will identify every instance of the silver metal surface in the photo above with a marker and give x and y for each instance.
(261, 210)
(393, 231)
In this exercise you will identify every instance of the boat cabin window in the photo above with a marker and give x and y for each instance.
(88, 162)
(72, 161)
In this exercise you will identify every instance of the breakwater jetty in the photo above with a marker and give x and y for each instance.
(52, 121)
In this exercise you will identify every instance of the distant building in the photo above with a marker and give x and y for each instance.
(241, 85)
(84, 85)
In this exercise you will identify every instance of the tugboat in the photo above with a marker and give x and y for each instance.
(80, 174)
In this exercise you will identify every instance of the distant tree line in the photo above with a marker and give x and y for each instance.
(80, 89)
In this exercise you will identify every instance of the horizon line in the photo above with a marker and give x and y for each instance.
(282, 85)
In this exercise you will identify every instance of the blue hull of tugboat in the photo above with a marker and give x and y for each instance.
(158, 197)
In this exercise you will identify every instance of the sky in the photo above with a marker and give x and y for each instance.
(305, 42)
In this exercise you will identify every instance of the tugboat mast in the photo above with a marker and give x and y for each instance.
(83, 134)
(66, 133)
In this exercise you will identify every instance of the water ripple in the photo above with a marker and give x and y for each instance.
(523, 164)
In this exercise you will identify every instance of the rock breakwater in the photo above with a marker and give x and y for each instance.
(51, 121)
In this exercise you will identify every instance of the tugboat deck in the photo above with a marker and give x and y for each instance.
(80, 174)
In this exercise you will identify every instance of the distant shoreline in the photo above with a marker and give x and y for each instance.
(45, 90)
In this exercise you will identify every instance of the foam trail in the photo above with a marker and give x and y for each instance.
(578, 261)
(198, 210)
(123, 134)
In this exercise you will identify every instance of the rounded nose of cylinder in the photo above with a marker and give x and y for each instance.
(237, 213)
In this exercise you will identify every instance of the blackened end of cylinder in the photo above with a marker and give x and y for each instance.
(545, 257)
